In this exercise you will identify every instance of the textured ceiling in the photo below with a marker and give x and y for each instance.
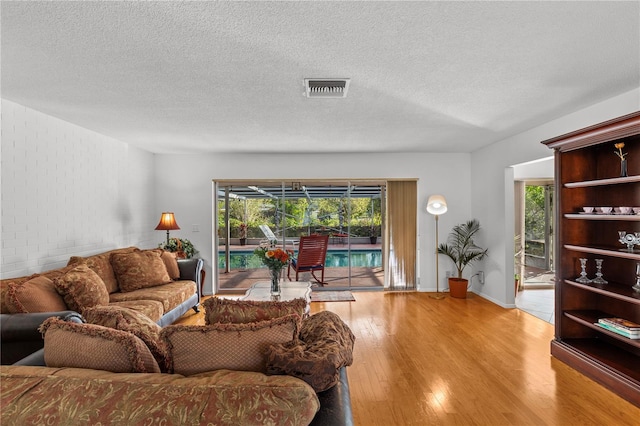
(228, 76)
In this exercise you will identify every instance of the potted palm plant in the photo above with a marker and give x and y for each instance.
(242, 233)
(461, 249)
(373, 234)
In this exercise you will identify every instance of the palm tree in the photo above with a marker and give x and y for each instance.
(460, 246)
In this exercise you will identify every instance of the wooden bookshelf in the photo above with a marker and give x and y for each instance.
(587, 173)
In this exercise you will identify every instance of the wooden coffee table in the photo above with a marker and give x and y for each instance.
(289, 290)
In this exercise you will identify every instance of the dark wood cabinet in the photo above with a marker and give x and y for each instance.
(587, 174)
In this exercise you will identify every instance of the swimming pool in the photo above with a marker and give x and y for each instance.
(335, 259)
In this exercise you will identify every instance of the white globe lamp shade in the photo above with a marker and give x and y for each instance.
(436, 204)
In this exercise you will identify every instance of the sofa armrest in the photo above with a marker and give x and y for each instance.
(335, 404)
(20, 335)
(25, 326)
(191, 269)
(35, 359)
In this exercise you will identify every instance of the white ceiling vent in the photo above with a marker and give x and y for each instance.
(326, 87)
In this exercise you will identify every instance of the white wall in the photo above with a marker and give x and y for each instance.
(535, 170)
(68, 191)
(492, 187)
(184, 186)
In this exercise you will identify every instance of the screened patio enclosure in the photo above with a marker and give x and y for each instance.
(350, 213)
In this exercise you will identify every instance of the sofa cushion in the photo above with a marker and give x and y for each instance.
(4, 287)
(325, 345)
(151, 309)
(171, 263)
(68, 344)
(101, 265)
(4, 284)
(81, 288)
(35, 295)
(31, 394)
(194, 349)
(139, 269)
(220, 310)
(125, 319)
(170, 295)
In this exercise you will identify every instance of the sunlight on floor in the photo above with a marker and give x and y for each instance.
(537, 302)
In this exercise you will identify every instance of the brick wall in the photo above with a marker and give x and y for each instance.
(68, 191)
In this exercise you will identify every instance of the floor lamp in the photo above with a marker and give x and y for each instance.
(437, 205)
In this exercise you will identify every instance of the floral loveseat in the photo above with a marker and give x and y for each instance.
(152, 282)
(254, 363)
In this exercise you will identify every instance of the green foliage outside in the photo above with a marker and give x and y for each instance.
(534, 219)
(303, 216)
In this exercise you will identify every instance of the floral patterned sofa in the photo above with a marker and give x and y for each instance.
(152, 282)
(68, 396)
(254, 363)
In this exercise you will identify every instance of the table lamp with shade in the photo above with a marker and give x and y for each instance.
(168, 223)
(437, 205)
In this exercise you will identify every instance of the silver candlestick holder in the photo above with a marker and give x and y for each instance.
(636, 287)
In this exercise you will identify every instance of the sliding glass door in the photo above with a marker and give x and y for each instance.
(249, 213)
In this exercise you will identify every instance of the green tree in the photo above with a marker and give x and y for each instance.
(534, 221)
(301, 215)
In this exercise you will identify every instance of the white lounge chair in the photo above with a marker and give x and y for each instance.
(269, 235)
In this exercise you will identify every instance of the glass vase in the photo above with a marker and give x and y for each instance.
(275, 282)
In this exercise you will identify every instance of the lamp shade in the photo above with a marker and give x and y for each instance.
(437, 204)
(167, 222)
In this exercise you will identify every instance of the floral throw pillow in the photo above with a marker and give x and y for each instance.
(139, 269)
(171, 263)
(82, 288)
(325, 345)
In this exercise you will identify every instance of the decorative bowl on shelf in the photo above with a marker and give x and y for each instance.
(629, 240)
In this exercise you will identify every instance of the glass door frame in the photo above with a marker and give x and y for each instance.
(224, 184)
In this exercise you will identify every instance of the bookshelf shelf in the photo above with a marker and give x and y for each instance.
(589, 318)
(603, 182)
(623, 218)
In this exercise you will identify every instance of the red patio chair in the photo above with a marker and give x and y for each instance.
(312, 253)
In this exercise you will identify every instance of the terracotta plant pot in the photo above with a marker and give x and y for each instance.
(458, 287)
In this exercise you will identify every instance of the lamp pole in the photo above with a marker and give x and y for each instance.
(438, 295)
(437, 205)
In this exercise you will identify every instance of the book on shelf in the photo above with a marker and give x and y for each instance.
(614, 325)
(621, 322)
(628, 334)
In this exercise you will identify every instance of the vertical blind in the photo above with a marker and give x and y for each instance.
(402, 238)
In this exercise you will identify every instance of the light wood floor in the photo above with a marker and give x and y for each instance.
(421, 361)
